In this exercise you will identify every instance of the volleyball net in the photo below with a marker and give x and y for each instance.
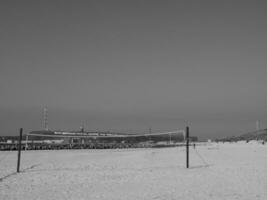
(66, 140)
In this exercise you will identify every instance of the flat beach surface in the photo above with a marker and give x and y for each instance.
(217, 171)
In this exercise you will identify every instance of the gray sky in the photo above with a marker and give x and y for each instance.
(131, 65)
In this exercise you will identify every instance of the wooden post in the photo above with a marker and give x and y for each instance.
(26, 144)
(19, 149)
(187, 147)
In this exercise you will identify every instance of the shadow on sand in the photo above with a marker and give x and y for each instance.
(199, 166)
(14, 173)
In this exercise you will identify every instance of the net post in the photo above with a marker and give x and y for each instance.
(19, 149)
(26, 144)
(187, 147)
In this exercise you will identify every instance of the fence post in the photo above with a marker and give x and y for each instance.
(187, 147)
(19, 149)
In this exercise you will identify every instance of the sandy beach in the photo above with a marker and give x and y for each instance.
(217, 171)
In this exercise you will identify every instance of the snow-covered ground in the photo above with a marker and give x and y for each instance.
(217, 171)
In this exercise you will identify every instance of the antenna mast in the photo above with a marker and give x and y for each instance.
(45, 119)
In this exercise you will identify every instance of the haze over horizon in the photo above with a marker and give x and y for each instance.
(132, 65)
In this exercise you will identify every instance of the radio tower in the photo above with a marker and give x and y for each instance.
(45, 119)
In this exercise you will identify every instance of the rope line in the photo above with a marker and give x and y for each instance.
(203, 160)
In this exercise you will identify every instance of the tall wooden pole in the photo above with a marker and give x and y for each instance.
(187, 147)
(26, 144)
(19, 149)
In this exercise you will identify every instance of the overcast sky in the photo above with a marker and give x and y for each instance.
(131, 65)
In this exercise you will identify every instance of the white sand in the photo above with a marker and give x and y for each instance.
(234, 171)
